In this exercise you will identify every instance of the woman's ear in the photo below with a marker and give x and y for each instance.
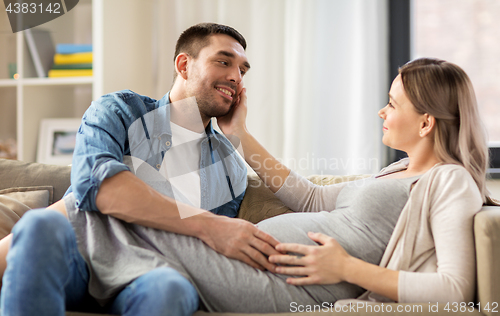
(181, 62)
(427, 125)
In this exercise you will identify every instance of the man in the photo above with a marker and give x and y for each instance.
(126, 147)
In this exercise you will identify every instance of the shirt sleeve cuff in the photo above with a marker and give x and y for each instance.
(103, 168)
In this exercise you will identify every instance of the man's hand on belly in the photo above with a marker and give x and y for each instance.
(241, 240)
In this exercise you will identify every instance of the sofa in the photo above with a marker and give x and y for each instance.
(33, 185)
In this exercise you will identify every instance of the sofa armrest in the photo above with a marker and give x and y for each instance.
(487, 237)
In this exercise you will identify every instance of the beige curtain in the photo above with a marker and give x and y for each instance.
(318, 74)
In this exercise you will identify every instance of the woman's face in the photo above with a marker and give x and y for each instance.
(402, 123)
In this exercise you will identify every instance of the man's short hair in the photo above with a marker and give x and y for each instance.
(197, 36)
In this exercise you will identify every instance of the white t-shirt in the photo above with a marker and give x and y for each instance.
(181, 165)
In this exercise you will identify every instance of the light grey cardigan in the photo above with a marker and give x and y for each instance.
(432, 244)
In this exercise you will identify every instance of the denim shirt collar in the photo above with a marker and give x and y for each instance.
(162, 126)
(212, 135)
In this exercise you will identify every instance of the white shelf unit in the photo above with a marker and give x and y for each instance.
(121, 34)
(26, 101)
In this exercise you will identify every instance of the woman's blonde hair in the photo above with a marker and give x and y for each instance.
(443, 90)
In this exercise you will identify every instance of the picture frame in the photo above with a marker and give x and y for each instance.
(56, 140)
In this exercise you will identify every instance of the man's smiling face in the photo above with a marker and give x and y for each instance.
(215, 76)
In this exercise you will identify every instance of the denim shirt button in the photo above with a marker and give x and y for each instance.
(158, 166)
(167, 143)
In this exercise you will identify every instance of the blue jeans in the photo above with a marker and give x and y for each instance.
(46, 275)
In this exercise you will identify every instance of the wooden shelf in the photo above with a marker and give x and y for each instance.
(57, 81)
(8, 82)
(33, 82)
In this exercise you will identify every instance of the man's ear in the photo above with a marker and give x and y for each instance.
(181, 62)
(427, 125)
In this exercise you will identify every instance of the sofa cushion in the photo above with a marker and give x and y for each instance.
(259, 202)
(14, 202)
(15, 173)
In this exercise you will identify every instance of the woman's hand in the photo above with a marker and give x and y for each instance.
(269, 169)
(323, 264)
(233, 123)
(329, 263)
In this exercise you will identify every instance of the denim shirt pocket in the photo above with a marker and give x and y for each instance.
(159, 146)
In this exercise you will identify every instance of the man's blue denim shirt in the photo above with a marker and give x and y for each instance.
(103, 148)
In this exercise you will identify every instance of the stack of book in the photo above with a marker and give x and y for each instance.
(72, 60)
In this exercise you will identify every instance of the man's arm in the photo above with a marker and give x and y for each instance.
(128, 198)
(102, 182)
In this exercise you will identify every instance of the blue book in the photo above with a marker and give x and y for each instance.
(73, 48)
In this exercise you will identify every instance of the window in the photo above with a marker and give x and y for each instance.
(465, 32)
(461, 31)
